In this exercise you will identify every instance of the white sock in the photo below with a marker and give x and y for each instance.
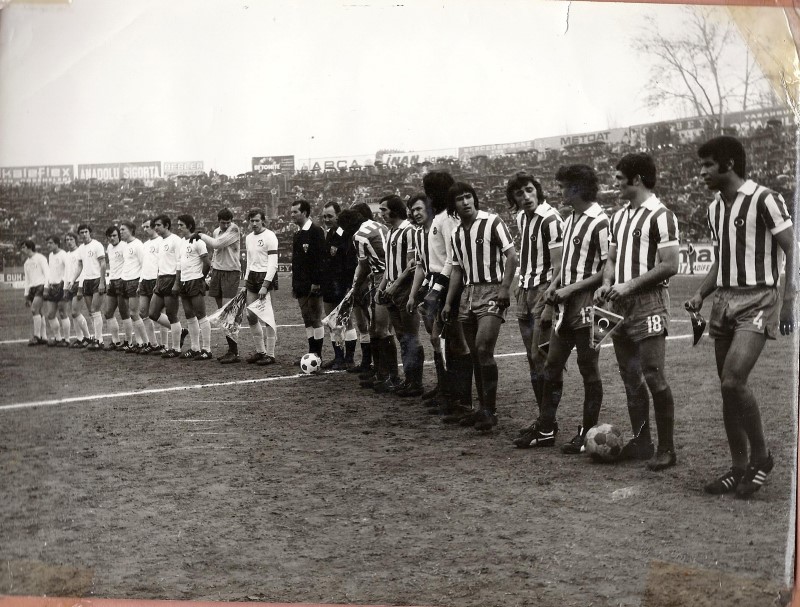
(270, 340)
(113, 328)
(165, 331)
(350, 335)
(258, 336)
(150, 331)
(309, 332)
(194, 333)
(319, 333)
(37, 326)
(205, 334)
(66, 327)
(141, 333)
(55, 329)
(127, 326)
(97, 321)
(175, 329)
(83, 326)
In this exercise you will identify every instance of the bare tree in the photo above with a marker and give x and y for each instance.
(706, 68)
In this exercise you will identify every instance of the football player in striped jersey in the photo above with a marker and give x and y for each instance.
(752, 232)
(642, 255)
(484, 261)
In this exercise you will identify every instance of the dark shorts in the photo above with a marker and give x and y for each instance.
(147, 287)
(478, 301)
(645, 314)
(193, 288)
(575, 313)
(115, 288)
(91, 286)
(69, 294)
(255, 280)
(164, 284)
(224, 283)
(310, 308)
(130, 288)
(531, 304)
(399, 298)
(55, 292)
(333, 292)
(754, 309)
(37, 291)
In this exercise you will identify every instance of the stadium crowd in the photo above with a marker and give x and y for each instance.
(35, 211)
(454, 245)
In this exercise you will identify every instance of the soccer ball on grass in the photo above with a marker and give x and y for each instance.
(310, 363)
(604, 442)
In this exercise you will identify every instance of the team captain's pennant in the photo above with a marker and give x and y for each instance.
(604, 323)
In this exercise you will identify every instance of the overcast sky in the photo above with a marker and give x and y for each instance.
(222, 81)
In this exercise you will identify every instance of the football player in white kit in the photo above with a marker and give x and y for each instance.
(190, 283)
(164, 303)
(92, 280)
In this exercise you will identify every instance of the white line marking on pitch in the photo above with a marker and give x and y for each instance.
(238, 382)
(193, 421)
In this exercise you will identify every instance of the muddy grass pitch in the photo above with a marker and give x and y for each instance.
(132, 476)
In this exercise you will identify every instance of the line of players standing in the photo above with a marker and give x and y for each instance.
(453, 268)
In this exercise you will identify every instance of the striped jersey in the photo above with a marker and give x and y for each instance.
(116, 258)
(421, 252)
(370, 240)
(440, 243)
(150, 261)
(638, 234)
(742, 234)
(480, 249)
(399, 249)
(585, 245)
(538, 235)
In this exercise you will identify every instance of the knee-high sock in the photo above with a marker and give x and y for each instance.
(150, 331)
(639, 410)
(205, 334)
(113, 327)
(141, 332)
(37, 325)
(66, 327)
(127, 327)
(194, 333)
(175, 330)
(390, 351)
(257, 332)
(270, 339)
(97, 321)
(79, 334)
(551, 397)
(489, 376)
(82, 325)
(55, 329)
(165, 331)
(592, 401)
(664, 408)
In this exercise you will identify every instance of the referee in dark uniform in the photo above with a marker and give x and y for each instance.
(308, 249)
(334, 284)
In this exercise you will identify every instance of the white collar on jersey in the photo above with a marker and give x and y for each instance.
(651, 204)
(403, 224)
(543, 209)
(307, 224)
(748, 188)
(593, 211)
(482, 215)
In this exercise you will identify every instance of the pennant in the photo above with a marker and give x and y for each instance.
(263, 309)
(339, 317)
(698, 325)
(603, 324)
(227, 317)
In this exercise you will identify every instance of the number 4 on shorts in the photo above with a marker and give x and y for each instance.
(758, 320)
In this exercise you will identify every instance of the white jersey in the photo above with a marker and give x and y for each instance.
(132, 259)
(262, 253)
(73, 257)
(91, 254)
(189, 262)
(168, 255)
(440, 244)
(150, 261)
(115, 261)
(57, 263)
(35, 268)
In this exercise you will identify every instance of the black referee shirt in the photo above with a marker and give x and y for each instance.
(308, 251)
